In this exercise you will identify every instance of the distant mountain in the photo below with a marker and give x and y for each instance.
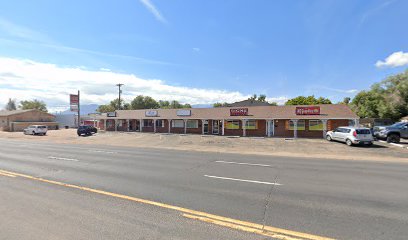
(85, 109)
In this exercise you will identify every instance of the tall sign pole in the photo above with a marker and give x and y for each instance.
(79, 113)
(120, 92)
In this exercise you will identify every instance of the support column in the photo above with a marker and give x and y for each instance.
(243, 127)
(116, 125)
(127, 124)
(185, 126)
(169, 121)
(356, 122)
(154, 125)
(273, 127)
(141, 125)
(105, 124)
(223, 127)
(269, 128)
(202, 126)
(324, 122)
(294, 128)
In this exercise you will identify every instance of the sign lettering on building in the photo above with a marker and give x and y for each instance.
(184, 112)
(151, 113)
(308, 110)
(111, 114)
(239, 112)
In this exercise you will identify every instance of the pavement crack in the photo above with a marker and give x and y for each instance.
(267, 202)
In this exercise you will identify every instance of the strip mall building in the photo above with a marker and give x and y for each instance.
(259, 121)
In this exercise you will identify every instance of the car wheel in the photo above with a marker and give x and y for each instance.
(34, 133)
(349, 142)
(328, 138)
(393, 138)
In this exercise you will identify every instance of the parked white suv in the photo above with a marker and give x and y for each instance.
(351, 135)
(36, 129)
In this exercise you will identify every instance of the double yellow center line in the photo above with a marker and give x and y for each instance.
(269, 231)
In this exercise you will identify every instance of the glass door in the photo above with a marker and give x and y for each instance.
(205, 126)
(215, 126)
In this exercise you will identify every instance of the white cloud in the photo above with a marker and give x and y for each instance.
(196, 49)
(396, 59)
(149, 5)
(27, 79)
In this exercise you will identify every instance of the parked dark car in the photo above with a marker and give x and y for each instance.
(86, 130)
(392, 133)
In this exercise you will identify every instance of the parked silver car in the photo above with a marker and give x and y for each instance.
(351, 135)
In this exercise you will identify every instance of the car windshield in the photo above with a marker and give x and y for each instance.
(398, 125)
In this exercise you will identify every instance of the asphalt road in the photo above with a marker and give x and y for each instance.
(332, 198)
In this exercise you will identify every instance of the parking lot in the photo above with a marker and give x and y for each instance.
(312, 148)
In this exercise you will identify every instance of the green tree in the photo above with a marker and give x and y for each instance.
(225, 104)
(273, 103)
(112, 106)
(33, 104)
(262, 98)
(144, 102)
(309, 100)
(386, 99)
(164, 104)
(11, 105)
(346, 101)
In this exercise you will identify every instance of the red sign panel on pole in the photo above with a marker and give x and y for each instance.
(308, 110)
(73, 99)
(239, 112)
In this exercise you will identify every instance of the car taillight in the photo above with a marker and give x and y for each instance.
(355, 134)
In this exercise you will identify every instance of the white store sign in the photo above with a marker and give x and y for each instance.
(151, 113)
(183, 112)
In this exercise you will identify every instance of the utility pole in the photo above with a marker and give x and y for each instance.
(120, 92)
(79, 113)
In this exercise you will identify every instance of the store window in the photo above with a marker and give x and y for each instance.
(192, 123)
(232, 124)
(291, 126)
(147, 123)
(177, 123)
(315, 125)
(159, 123)
(251, 124)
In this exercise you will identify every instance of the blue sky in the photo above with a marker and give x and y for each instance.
(198, 51)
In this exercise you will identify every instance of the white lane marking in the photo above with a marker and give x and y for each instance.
(102, 151)
(241, 163)
(65, 159)
(243, 180)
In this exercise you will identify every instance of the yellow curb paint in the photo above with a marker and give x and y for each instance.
(6, 174)
(180, 209)
(241, 228)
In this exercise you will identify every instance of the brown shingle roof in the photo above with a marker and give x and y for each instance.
(327, 111)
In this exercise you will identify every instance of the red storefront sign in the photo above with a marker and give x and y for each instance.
(239, 112)
(73, 99)
(307, 110)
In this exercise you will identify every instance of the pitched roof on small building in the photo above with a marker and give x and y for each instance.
(6, 113)
(327, 111)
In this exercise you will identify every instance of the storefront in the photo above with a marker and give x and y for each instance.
(259, 121)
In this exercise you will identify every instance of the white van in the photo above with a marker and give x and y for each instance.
(36, 129)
